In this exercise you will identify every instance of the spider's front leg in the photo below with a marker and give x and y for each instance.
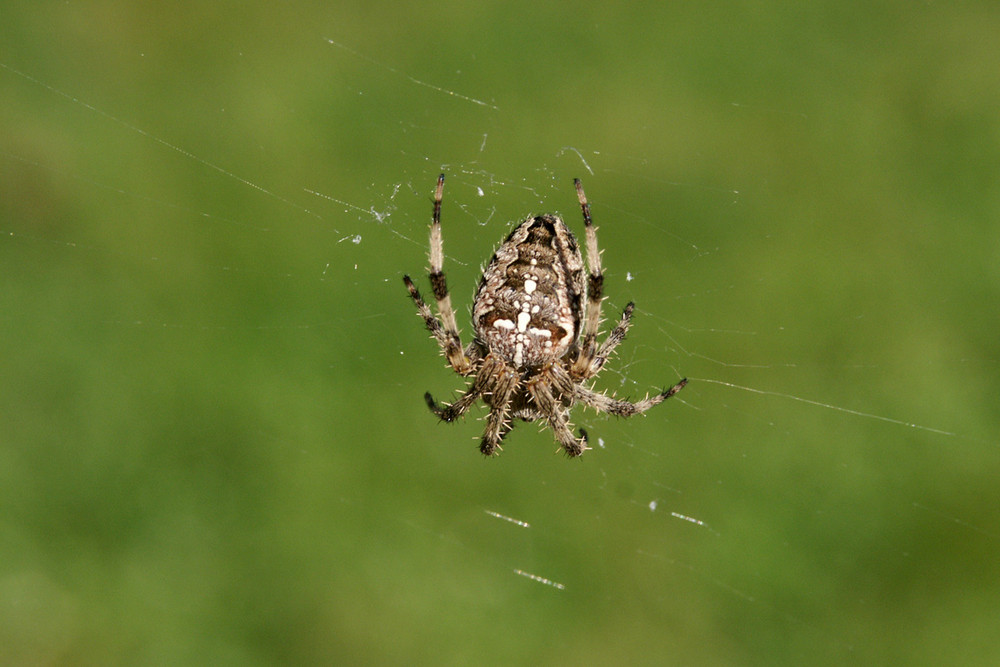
(450, 412)
(485, 385)
(620, 408)
(502, 384)
(586, 366)
(541, 391)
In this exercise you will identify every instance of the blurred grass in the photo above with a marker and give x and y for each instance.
(214, 448)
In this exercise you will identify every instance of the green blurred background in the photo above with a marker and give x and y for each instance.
(213, 446)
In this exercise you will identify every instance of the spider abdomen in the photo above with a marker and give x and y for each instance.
(530, 300)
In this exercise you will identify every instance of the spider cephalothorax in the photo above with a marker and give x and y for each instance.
(536, 342)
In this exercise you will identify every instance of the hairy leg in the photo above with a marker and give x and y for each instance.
(445, 329)
(556, 414)
(595, 289)
(621, 408)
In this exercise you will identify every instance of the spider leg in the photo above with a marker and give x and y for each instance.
(498, 423)
(619, 408)
(494, 380)
(451, 412)
(556, 414)
(440, 286)
(613, 340)
(490, 445)
(595, 289)
(445, 329)
(449, 341)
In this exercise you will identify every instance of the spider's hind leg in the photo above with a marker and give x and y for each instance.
(595, 290)
(443, 326)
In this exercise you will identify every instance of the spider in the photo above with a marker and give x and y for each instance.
(535, 344)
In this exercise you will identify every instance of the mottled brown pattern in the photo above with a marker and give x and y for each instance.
(535, 346)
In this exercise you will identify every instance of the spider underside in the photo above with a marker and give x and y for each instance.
(535, 342)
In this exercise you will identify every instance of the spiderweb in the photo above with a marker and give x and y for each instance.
(217, 436)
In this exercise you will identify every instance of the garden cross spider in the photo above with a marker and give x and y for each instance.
(535, 342)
